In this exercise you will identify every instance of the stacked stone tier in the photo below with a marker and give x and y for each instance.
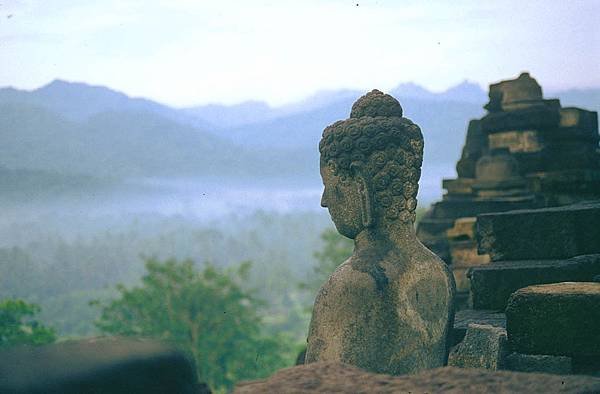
(493, 284)
(556, 319)
(548, 233)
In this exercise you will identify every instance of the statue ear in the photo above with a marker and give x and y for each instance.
(364, 193)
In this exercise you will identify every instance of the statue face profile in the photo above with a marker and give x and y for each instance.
(371, 165)
(341, 196)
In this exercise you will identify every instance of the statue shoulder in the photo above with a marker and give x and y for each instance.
(438, 273)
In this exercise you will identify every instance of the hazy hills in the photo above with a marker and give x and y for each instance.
(78, 101)
(75, 128)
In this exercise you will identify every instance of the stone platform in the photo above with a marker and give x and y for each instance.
(341, 378)
(99, 366)
(550, 233)
(492, 284)
(463, 318)
(557, 319)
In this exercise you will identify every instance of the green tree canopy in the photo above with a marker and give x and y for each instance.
(206, 313)
(17, 326)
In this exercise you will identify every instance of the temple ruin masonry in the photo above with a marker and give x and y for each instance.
(527, 152)
(520, 229)
(540, 287)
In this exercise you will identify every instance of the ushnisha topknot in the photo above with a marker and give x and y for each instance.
(388, 148)
(376, 103)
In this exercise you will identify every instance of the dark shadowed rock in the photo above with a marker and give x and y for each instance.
(492, 284)
(484, 347)
(465, 317)
(577, 124)
(497, 175)
(341, 378)
(475, 145)
(538, 363)
(550, 233)
(301, 356)
(550, 158)
(541, 117)
(512, 94)
(98, 366)
(389, 307)
(557, 319)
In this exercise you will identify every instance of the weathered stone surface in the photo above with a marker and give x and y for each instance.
(431, 228)
(463, 229)
(549, 233)
(522, 92)
(459, 186)
(341, 378)
(537, 118)
(455, 208)
(551, 159)
(577, 123)
(571, 154)
(484, 346)
(104, 365)
(465, 254)
(461, 302)
(556, 319)
(463, 285)
(566, 186)
(525, 141)
(465, 317)
(439, 246)
(389, 307)
(475, 146)
(492, 284)
(559, 365)
(556, 180)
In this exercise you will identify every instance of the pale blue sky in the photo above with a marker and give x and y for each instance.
(185, 52)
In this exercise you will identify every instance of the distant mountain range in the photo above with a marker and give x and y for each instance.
(78, 129)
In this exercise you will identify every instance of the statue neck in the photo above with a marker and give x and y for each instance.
(380, 239)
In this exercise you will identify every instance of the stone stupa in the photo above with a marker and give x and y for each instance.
(526, 152)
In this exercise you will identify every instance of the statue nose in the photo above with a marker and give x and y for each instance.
(323, 200)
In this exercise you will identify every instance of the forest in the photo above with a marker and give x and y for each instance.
(263, 269)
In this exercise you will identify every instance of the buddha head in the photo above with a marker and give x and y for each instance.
(371, 165)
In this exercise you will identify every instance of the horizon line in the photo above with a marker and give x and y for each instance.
(287, 103)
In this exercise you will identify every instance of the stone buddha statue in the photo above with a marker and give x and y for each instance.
(389, 307)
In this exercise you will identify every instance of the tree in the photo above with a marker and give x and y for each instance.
(17, 326)
(207, 314)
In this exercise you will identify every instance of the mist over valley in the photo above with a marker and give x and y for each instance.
(92, 181)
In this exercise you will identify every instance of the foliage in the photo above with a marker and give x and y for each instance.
(206, 313)
(61, 262)
(17, 326)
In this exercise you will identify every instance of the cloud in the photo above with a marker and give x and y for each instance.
(187, 52)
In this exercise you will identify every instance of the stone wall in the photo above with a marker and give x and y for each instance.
(536, 305)
(527, 152)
